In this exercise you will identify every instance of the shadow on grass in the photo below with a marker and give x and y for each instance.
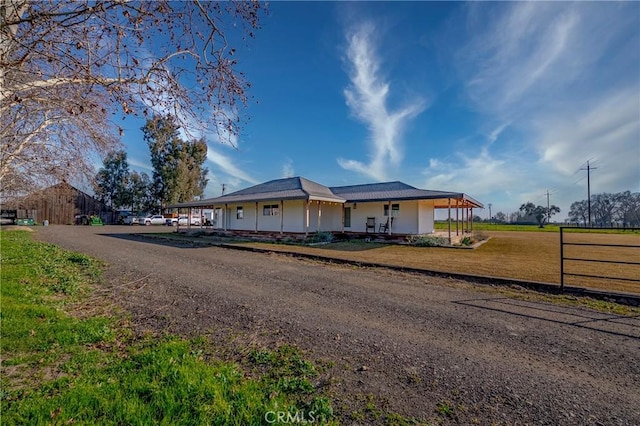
(165, 240)
(351, 246)
(618, 325)
(190, 241)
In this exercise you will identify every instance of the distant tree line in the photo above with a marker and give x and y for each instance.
(608, 209)
(178, 174)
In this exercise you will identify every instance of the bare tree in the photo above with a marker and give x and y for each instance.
(67, 67)
(578, 212)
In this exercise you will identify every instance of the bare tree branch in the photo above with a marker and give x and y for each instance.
(67, 67)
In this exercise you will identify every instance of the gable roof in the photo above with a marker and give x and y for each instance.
(283, 189)
(299, 188)
(295, 188)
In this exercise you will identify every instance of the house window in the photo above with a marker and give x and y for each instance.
(347, 217)
(270, 210)
(239, 212)
(395, 210)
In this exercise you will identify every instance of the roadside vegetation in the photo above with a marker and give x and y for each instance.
(67, 359)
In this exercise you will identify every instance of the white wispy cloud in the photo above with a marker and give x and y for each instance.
(607, 130)
(478, 175)
(367, 97)
(287, 168)
(560, 80)
(527, 47)
(227, 166)
(496, 132)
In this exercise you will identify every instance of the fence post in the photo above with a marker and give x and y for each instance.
(561, 260)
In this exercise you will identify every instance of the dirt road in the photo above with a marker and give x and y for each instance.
(431, 348)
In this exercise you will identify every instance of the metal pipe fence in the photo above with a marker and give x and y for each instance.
(564, 243)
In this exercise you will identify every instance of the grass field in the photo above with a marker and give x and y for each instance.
(483, 226)
(64, 362)
(533, 256)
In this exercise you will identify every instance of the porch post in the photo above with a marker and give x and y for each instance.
(224, 215)
(306, 213)
(342, 226)
(319, 215)
(468, 219)
(449, 220)
(457, 218)
(256, 216)
(281, 216)
(471, 227)
(389, 219)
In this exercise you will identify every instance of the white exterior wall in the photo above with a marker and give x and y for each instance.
(293, 216)
(247, 223)
(414, 217)
(426, 217)
(359, 214)
(407, 221)
(330, 219)
(290, 212)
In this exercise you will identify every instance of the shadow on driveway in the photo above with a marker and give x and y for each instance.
(619, 325)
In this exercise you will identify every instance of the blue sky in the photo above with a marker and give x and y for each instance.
(502, 101)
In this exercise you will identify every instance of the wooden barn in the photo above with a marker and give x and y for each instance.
(59, 204)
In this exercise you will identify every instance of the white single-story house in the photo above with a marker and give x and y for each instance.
(298, 205)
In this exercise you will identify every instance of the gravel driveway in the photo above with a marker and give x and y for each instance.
(431, 348)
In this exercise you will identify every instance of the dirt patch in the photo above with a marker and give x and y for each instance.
(16, 228)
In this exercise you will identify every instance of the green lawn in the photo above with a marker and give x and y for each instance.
(441, 225)
(482, 226)
(61, 365)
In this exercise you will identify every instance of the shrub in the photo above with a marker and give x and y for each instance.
(466, 241)
(288, 240)
(321, 237)
(427, 241)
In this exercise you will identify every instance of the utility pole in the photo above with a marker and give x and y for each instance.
(548, 207)
(489, 212)
(588, 169)
(223, 188)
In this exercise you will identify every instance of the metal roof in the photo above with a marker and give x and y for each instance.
(295, 188)
(396, 191)
(300, 188)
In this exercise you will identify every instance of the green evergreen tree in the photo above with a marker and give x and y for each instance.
(178, 175)
(112, 180)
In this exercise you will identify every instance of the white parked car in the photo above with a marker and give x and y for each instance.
(156, 219)
(184, 220)
(130, 220)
